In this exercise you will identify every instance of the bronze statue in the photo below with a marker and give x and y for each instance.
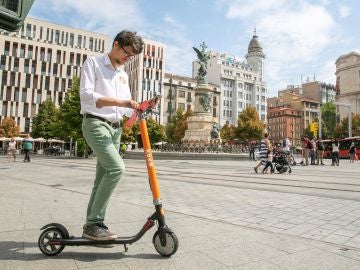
(203, 58)
(215, 133)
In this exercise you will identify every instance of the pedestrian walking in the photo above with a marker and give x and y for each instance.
(335, 153)
(263, 152)
(269, 162)
(306, 150)
(27, 146)
(105, 99)
(252, 151)
(352, 152)
(320, 152)
(11, 150)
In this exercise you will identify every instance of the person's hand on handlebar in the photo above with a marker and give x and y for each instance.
(133, 104)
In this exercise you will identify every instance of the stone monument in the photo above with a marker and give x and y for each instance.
(201, 124)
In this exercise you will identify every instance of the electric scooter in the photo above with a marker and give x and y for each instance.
(55, 237)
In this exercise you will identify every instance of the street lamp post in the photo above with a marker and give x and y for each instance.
(170, 97)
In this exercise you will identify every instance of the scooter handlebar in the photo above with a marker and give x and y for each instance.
(146, 105)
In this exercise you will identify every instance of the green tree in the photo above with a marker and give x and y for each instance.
(328, 117)
(68, 117)
(308, 133)
(8, 128)
(155, 130)
(43, 122)
(227, 132)
(129, 135)
(342, 129)
(249, 127)
(175, 129)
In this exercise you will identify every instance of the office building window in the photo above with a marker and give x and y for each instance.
(55, 69)
(4, 109)
(57, 36)
(78, 57)
(38, 97)
(27, 125)
(7, 48)
(47, 83)
(49, 55)
(24, 95)
(79, 41)
(22, 50)
(91, 43)
(71, 40)
(28, 30)
(27, 81)
(182, 94)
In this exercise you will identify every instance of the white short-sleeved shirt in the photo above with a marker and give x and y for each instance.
(100, 79)
(12, 145)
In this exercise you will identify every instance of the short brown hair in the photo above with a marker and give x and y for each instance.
(129, 38)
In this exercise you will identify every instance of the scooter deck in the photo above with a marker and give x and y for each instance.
(79, 241)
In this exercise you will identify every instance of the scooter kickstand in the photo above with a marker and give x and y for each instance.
(126, 248)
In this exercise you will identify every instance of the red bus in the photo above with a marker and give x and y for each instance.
(343, 147)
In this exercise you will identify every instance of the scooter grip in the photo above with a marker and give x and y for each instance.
(131, 120)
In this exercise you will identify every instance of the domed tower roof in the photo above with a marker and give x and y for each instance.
(255, 47)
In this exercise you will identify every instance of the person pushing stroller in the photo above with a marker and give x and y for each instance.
(269, 162)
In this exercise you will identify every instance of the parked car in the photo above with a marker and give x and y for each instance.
(54, 151)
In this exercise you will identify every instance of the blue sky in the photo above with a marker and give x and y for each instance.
(300, 37)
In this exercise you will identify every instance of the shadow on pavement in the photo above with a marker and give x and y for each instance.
(14, 251)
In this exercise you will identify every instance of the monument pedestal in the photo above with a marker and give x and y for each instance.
(201, 122)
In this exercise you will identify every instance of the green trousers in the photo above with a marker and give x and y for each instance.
(104, 140)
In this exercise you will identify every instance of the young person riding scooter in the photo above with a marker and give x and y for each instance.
(105, 98)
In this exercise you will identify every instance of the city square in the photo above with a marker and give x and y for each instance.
(225, 215)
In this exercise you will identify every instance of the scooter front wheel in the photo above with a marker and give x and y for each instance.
(170, 247)
(44, 244)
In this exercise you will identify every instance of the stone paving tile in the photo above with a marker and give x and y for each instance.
(336, 239)
(245, 253)
(261, 265)
(193, 260)
(349, 233)
(324, 261)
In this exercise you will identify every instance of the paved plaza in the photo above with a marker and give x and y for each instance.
(225, 215)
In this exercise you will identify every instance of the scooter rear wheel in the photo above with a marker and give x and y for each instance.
(171, 246)
(44, 241)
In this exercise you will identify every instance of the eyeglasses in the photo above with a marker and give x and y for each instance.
(128, 54)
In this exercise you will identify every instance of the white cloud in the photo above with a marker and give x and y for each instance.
(327, 71)
(246, 8)
(344, 11)
(293, 34)
(179, 54)
(110, 16)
